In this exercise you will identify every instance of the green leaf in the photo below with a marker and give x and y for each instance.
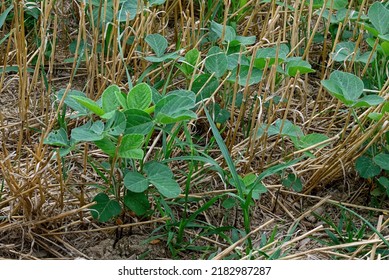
(337, 4)
(116, 124)
(270, 53)
(130, 146)
(109, 99)
(204, 86)
(138, 122)
(385, 183)
(121, 99)
(366, 167)
(345, 86)
(344, 51)
(293, 182)
(157, 43)
(105, 209)
(84, 133)
(229, 202)
(168, 56)
(382, 160)
(166, 186)
(229, 32)
(135, 182)
(107, 146)
(246, 40)
(236, 59)
(298, 65)
(89, 104)
(379, 17)
(287, 129)
(230, 163)
(139, 97)
(106, 11)
(129, 8)
(190, 61)
(310, 140)
(254, 186)
(71, 102)
(255, 78)
(137, 202)
(57, 138)
(216, 62)
(156, 2)
(368, 101)
(4, 15)
(97, 127)
(154, 168)
(175, 107)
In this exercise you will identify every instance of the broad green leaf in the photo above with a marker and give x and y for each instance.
(137, 202)
(156, 2)
(157, 43)
(287, 129)
(270, 53)
(385, 183)
(4, 15)
(257, 189)
(229, 32)
(337, 4)
(216, 62)
(166, 186)
(229, 202)
(89, 104)
(139, 97)
(107, 146)
(138, 122)
(382, 160)
(106, 11)
(293, 182)
(345, 86)
(369, 100)
(385, 47)
(130, 146)
(252, 185)
(116, 124)
(249, 179)
(154, 168)
(71, 102)
(310, 140)
(175, 107)
(165, 57)
(297, 65)
(57, 138)
(379, 17)
(366, 167)
(128, 9)
(204, 86)
(105, 209)
(246, 40)
(191, 58)
(344, 51)
(236, 59)
(255, 75)
(85, 133)
(109, 99)
(121, 99)
(135, 182)
(97, 127)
